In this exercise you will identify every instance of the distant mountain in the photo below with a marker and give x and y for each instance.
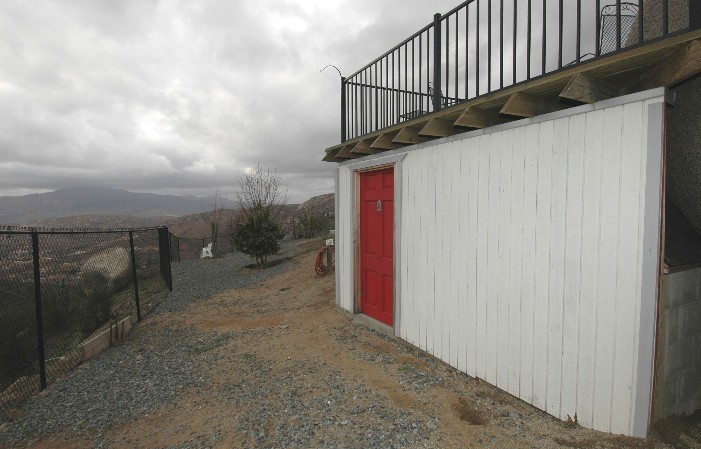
(84, 200)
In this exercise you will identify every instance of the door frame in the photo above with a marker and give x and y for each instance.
(391, 161)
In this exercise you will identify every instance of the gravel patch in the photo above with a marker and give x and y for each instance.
(195, 280)
(272, 363)
(342, 414)
(116, 385)
(151, 369)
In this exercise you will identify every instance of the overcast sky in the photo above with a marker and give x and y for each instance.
(182, 96)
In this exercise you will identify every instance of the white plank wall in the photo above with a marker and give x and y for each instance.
(344, 239)
(521, 258)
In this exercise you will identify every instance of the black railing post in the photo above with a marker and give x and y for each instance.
(39, 315)
(343, 109)
(164, 254)
(437, 89)
(598, 28)
(694, 14)
(133, 275)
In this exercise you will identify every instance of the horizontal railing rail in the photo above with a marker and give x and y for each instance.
(483, 46)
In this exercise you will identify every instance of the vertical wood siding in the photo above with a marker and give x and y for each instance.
(522, 259)
(344, 239)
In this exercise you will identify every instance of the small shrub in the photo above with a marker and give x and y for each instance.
(258, 236)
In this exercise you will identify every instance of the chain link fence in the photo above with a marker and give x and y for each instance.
(191, 248)
(60, 288)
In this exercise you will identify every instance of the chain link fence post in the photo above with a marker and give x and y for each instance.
(133, 274)
(164, 256)
(39, 316)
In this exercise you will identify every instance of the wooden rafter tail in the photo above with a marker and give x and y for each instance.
(587, 89)
(677, 67)
(345, 152)
(410, 136)
(331, 154)
(330, 158)
(384, 142)
(439, 127)
(478, 118)
(525, 105)
(363, 147)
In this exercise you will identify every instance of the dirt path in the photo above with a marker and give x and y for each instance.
(281, 366)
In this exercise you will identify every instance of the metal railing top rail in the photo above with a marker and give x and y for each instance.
(482, 46)
(413, 36)
(11, 229)
(395, 48)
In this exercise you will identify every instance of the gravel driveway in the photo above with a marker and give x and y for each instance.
(237, 357)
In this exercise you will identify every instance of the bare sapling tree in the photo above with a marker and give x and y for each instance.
(261, 198)
(260, 190)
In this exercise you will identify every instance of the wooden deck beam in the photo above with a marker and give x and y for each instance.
(587, 89)
(331, 153)
(384, 142)
(439, 127)
(525, 105)
(479, 118)
(680, 65)
(363, 147)
(618, 69)
(345, 152)
(410, 136)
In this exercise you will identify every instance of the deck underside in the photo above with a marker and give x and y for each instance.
(663, 63)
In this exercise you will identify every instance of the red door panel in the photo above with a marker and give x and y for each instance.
(377, 244)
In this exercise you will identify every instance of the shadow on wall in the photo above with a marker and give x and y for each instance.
(678, 17)
(684, 151)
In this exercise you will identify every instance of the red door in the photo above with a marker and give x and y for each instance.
(376, 244)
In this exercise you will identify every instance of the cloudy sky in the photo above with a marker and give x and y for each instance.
(179, 96)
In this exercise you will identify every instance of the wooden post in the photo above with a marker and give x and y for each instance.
(328, 258)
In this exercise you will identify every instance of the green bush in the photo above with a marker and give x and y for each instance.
(312, 224)
(258, 236)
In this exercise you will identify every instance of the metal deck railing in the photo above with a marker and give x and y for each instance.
(483, 46)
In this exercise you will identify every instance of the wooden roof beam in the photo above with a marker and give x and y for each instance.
(345, 152)
(479, 118)
(439, 127)
(525, 105)
(677, 67)
(363, 147)
(331, 155)
(384, 142)
(587, 89)
(410, 136)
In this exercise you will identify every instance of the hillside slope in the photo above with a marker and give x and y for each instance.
(85, 200)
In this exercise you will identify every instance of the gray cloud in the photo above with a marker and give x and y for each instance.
(180, 96)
